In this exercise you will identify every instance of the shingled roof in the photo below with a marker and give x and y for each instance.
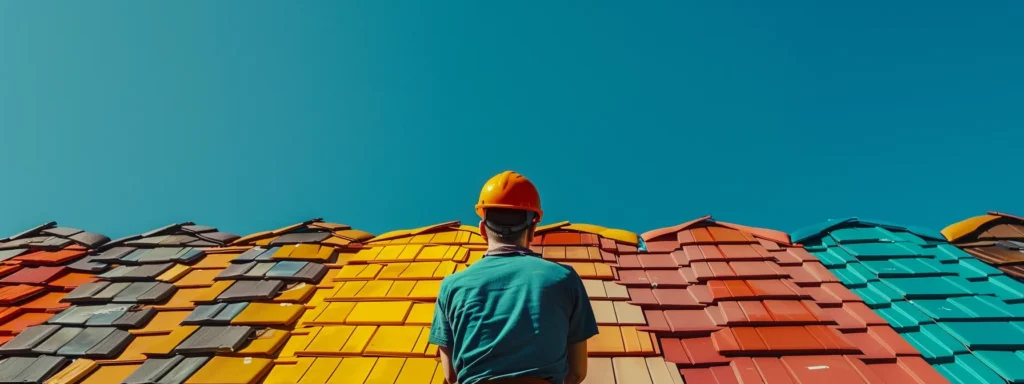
(961, 314)
(995, 238)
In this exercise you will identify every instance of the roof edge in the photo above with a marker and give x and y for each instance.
(818, 230)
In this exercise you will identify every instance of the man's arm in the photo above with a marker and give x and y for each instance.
(449, 369)
(582, 326)
(577, 363)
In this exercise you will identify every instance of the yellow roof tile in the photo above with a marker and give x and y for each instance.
(421, 314)
(210, 293)
(231, 370)
(297, 342)
(392, 270)
(139, 345)
(110, 374)
(420, 270)
(421, 239)
(353, 370)
(175, 273)
(549, 227)
(335, 313)
(433, 253)
(438, 375)
(386, 370)
(359, 339)
(166, 345)
(409, 252)
(401, 288)
(425, 290)
(367, 254)
(379, 312)
(390, 235)
(421, 343)
(269, 314)
(230, 249)
(955, 231)
(266, 344)
(470, 228)
(448, 237)
(252, 237)
(621, 236)
(390, 252)
(264, 241)
(325, 253)
(375, 289)
(300, 293)
(74, 372)
(336, 241)
(321, 370)
(289, 373)
(217, 261)
(164, 322)
(329, 341)
(416, 371)
(197, 278)
(305, 252)
(349, 289)
(354, 235)
(444, 269)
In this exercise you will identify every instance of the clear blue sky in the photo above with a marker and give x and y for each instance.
(121, 116)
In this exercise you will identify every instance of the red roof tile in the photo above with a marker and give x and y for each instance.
(755, 308)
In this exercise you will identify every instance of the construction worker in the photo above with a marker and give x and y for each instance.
(512, 317)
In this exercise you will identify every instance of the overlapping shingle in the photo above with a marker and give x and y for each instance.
(38, 268)
(995, 238)
(133, 309)
(735, 304)
(962, 315)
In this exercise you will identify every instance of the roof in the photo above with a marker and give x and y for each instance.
(177, 304)
(962, 315)
(37, 269)
(734, 304)
(813, 232)
(995, 238)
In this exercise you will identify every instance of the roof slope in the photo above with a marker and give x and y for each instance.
(995, 238)
(37, 269)
(963, 315)
(734, 304)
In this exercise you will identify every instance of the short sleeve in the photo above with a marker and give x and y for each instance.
(582, 324)
(440, 328)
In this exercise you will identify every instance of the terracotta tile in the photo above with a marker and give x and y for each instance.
(745, 371)
(702, 351)
(893, 341)
(701, 235)
(675, 298)
(753, 269)
(864, 313)
(800, 275)
(721, 270)
(37, 275)
(607, 256)
(772, 370)
(788, 339)
(46, 302)
(870, 376)
(771, 289)
(666, 278)
(871, 348)
(718, 290)
(10, 295)
(738, 289)
(657, 261)
(701, 293)
(830, 338)
(699, 375)
(755, 312)
(608, 244)
(687, 255)
(673, 351)
(631, 370)
(726, 235)
(626, 248)
(656, 321)
(702, 270)
(725, 341)
(819, 272)
(920, 369)
(562, 238)
(711, 253)
(689, 320)
(789, 311)
(554, 253)
(732, 313)
(823, 297)
(841, 292)
(748, 339)
(604, 271)
(49, 258)
(740, 252)
(716, 315)
(821, 369)
(642, 296)
(846, 321)
(724, 374)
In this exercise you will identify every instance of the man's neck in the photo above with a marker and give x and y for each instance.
(498, 248)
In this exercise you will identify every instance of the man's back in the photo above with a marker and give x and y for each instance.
(512, 316)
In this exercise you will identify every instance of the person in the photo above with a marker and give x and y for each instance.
(512, 317)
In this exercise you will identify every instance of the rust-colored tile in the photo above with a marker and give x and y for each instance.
(634, 278)
(46, 302)
(702, 293)
(845, 320)
(656, 321)
(872, 349)
(629, 262)
(721, 270)
(657, 261)
(739, 289)
(755, 312)
(822, 297)
(711, 253)
(642, 296)
(731, 312)
(893, 341)
(788, 339)
(725, 341)
(920, 369)
(864, 313)
(838, 290)
(822, 369)
(702, 351)
(73, 280)
(718, 290)
(772, 370)
(830, 338)
(748, 339)
(23, 321)
(675, 298)
(673, 351)
(771, 289)
(789, 311)
(689, 320)
(667, 278)
(631, 370)
(745, 371)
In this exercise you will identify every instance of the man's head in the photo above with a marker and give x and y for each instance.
(508, 226)
(509, 209)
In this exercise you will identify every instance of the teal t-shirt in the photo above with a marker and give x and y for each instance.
(512, 316)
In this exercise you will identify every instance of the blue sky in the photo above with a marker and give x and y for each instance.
(121, 116)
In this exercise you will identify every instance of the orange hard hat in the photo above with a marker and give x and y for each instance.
(509, 190)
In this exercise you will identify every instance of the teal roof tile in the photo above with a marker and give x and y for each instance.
(967, 369)
(1007, 364)
(944, 302)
